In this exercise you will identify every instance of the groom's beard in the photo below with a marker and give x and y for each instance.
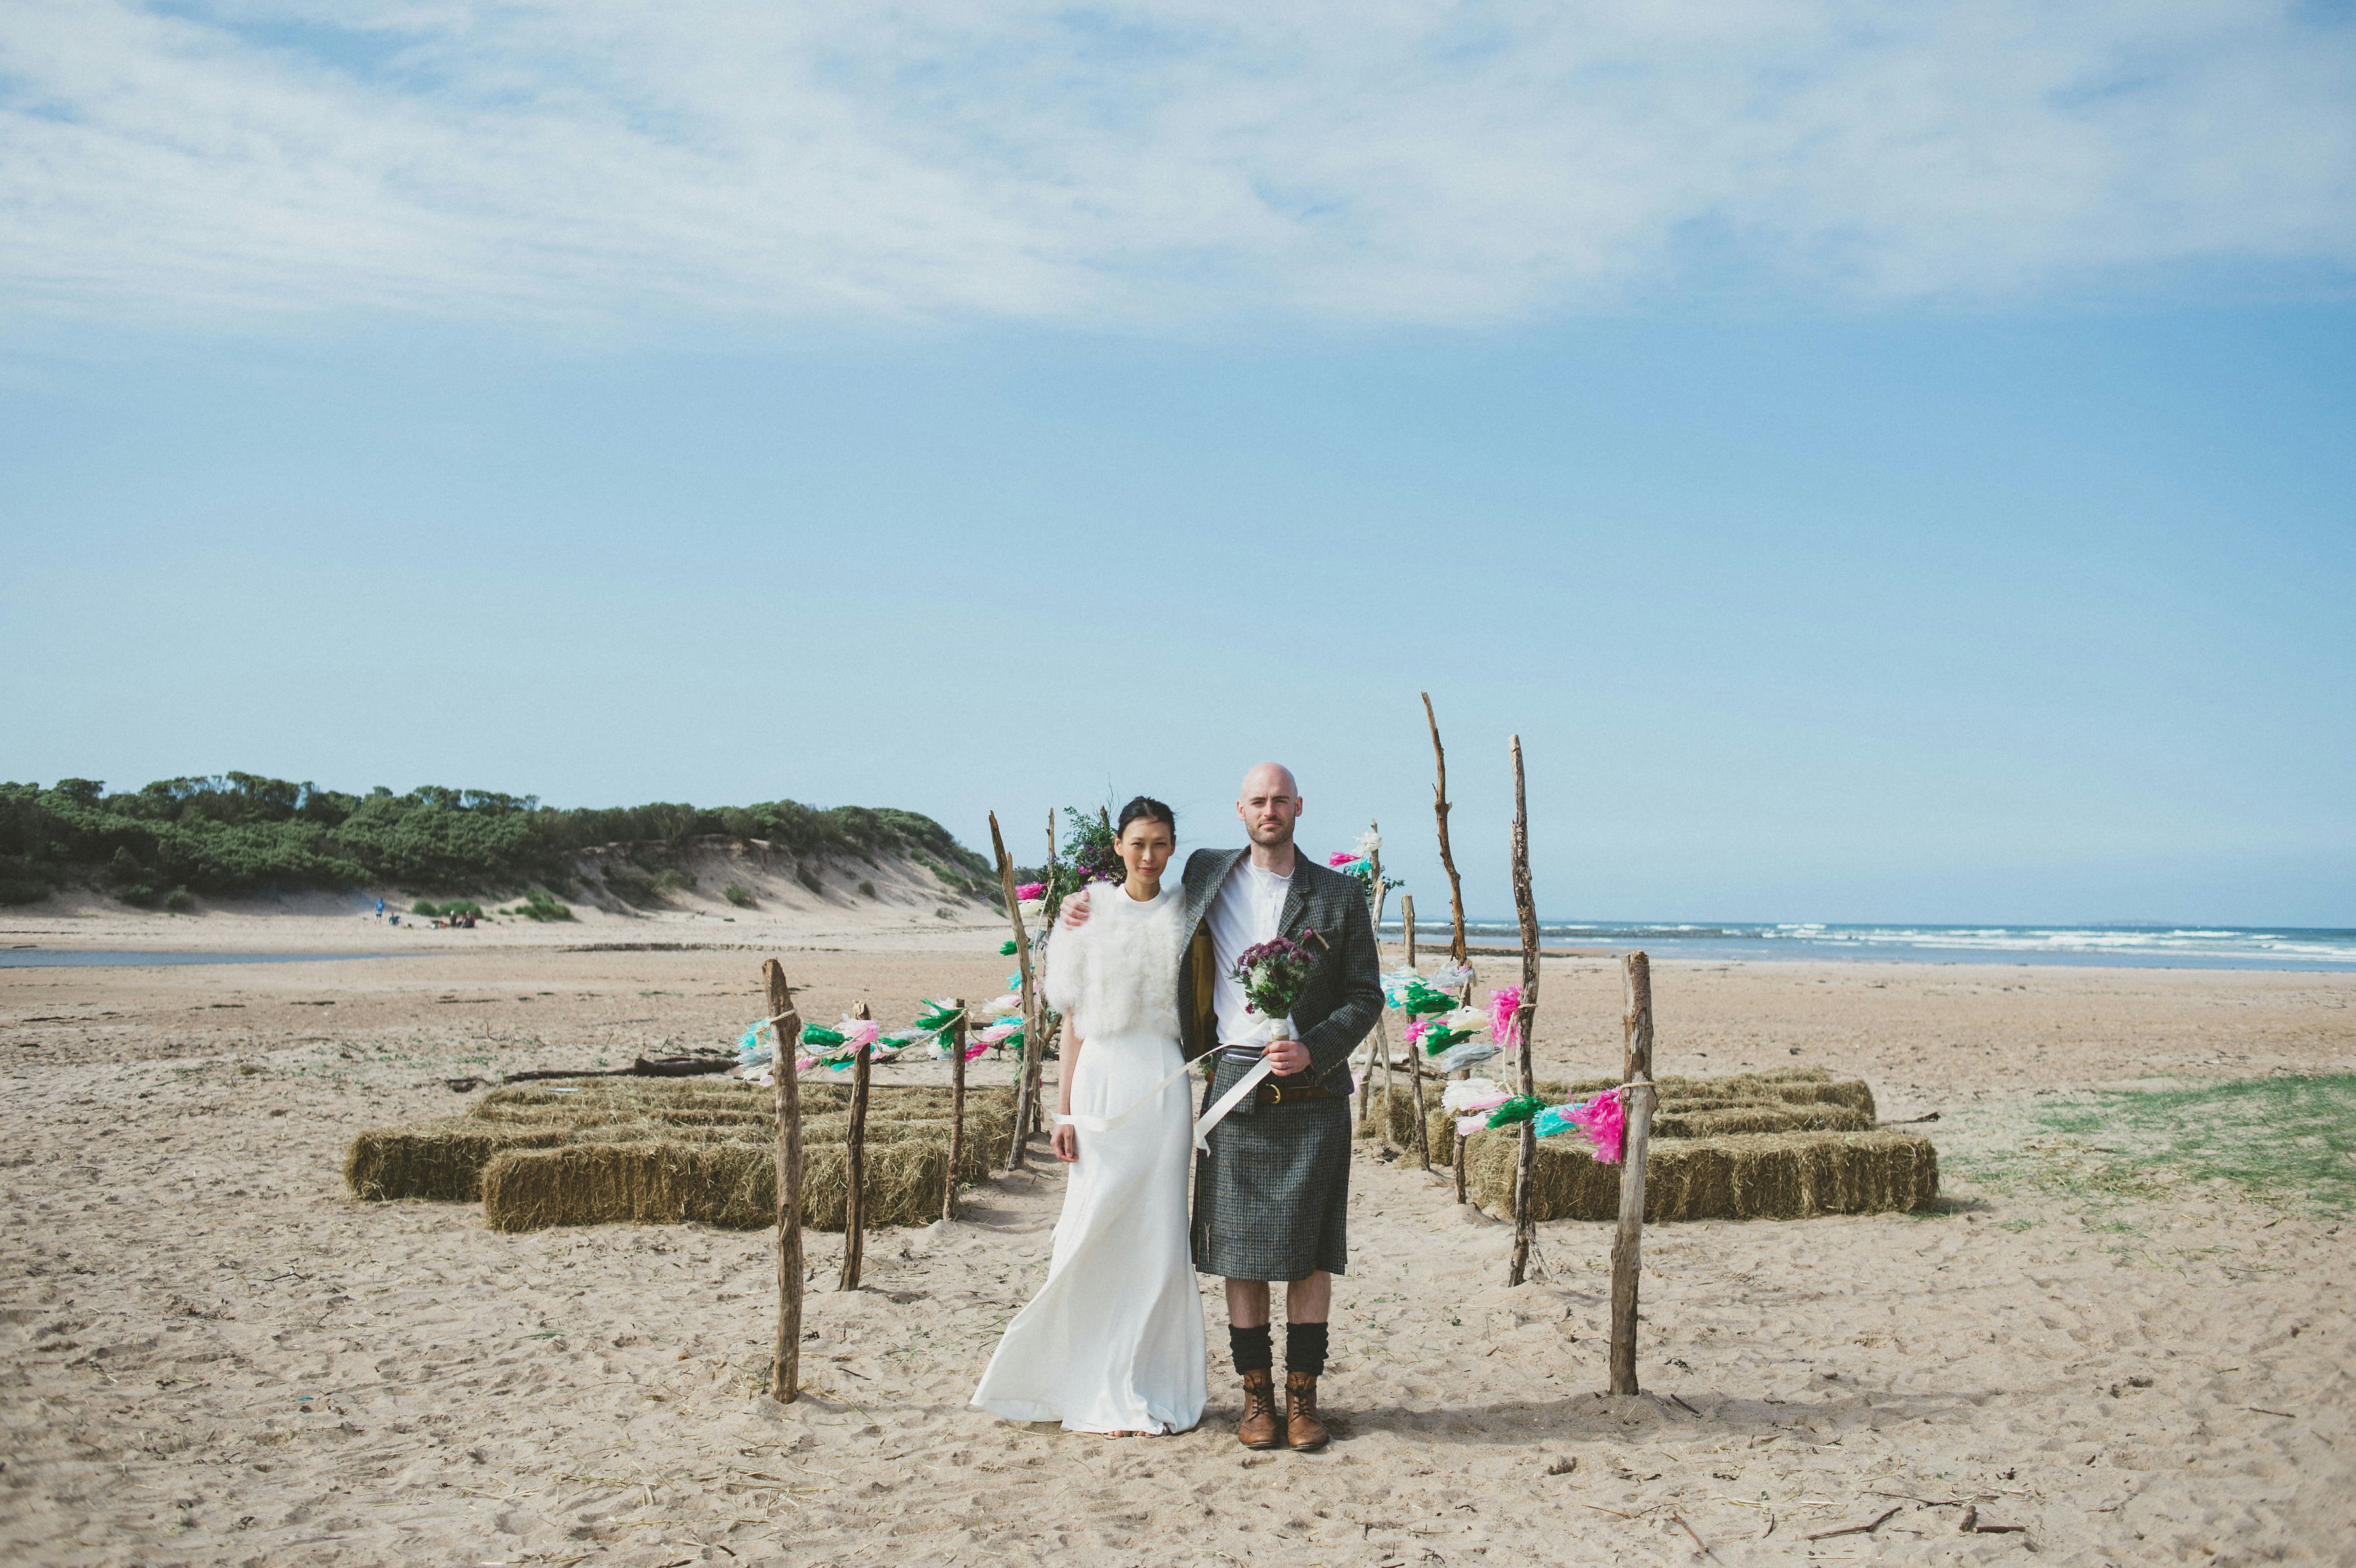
(1259, 834)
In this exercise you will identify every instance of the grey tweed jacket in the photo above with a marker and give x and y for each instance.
(1344, 994)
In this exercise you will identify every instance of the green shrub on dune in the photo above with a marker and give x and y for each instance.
(240, 834)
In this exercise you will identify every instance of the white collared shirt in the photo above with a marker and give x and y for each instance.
(1248, 911)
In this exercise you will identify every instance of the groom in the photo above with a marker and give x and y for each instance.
(1271, 1196)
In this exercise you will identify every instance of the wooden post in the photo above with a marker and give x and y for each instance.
(786, 1360)
(1377, 896)
(1039, 1032)
(1627, 1246)
(1526, 905)
(1636, 1022)
(1455, 884)
(854, 1166)
(1382, 1020)
(1414, 1054)
(1439, 809)
(956, 1108)
(1021, 1140)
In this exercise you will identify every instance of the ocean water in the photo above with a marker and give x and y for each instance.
(2147, 946)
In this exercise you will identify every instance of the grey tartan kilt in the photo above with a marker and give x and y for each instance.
(1272, 1196)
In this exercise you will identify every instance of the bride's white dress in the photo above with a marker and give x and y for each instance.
(1113, 1341)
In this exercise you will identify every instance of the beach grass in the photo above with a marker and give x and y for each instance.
(2290, 1140)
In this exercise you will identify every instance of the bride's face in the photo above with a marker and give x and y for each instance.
(1145, 847)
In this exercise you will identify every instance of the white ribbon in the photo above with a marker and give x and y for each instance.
(1261, 1034)
(1106, 1123)
(1265, 1031)
(1229, 1101)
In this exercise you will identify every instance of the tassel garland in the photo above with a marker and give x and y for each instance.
(1505, 1017)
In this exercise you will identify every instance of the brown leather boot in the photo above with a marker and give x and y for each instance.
(1259, 1428)
(1301, 1427)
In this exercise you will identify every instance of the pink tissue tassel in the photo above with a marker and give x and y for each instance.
(1606, 1122)
(1505, 1017)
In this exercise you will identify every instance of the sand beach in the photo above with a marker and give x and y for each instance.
(212, 1355)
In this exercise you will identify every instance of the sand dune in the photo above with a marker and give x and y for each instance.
(886, 897)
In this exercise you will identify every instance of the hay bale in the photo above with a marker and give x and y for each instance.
(641, 1149)
(1688, 1120)
(732, 1186)
(1851, 1092)
(1394, 1110)
(1758, 1176)
(442, 1160)
(647, 1183)
(1566, 1185)
(1778, 1086)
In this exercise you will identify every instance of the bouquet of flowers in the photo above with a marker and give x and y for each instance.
(1272, 975)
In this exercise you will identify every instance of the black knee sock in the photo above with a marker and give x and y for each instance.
(1304, 1348)
(1252, 1348)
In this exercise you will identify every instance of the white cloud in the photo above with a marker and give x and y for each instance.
(604, 162)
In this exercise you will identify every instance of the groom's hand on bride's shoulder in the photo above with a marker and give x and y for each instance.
(1075, 911)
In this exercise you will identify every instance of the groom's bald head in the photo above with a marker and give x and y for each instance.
(1269, 778)
(1268, 803)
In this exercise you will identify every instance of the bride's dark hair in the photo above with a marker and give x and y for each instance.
(1152, 809)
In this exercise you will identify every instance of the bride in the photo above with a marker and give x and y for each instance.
(1113, 1341)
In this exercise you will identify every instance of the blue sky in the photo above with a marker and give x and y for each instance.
(1884, 469)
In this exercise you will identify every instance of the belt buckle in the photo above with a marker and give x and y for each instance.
(1276, 1094)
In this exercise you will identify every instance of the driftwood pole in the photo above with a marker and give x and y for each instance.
(1455, 884)
(1636, 1027)
(786, 1360)
(1022, 1141)
(1526, 905)
(1414, 1053)
(956, 1108)
(1459, 1168)
(854, 1166)
(1439, 809)
(1636, 1022)
(1038, 1033)
(1377, 896)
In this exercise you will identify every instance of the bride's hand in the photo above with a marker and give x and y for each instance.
(1066, 1142)
(1075, 911)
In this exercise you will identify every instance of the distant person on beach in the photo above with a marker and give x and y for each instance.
(1271, 1193)
(379, 908)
